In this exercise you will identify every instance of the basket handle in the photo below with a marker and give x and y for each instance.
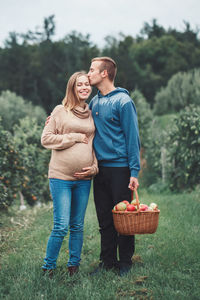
(136, 197)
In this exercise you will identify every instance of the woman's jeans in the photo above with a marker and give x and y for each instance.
(70, 199)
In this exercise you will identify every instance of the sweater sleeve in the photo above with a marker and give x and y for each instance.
(128, 118)
(51, 140)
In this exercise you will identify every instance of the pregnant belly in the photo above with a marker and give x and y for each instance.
(72, 160)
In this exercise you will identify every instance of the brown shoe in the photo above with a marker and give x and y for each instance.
(72, 270)
(49, 271)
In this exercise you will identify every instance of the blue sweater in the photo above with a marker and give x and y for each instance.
(116, 141)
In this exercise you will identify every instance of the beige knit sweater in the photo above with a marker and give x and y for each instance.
(63, 134)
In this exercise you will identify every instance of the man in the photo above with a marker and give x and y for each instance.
(117, 147)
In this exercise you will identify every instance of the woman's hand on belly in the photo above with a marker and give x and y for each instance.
(87, 172)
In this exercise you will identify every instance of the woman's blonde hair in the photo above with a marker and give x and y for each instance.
(71, 98)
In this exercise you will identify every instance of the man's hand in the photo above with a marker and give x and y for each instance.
(87, 172)
(133, 184)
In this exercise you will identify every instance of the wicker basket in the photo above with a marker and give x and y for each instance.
(136, 222)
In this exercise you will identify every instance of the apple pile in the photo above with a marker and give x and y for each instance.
(126, 206)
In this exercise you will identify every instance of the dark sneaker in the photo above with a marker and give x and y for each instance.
(102, 267)
(49, 272)
(124, 270)
(73, 270)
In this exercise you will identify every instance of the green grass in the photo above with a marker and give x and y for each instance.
(165, 265)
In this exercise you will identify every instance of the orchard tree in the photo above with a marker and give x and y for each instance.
(184, 145)
(13, 108)
(11, 169)
(182, 90)
(23, 164)
(34, 159)
(145, 117)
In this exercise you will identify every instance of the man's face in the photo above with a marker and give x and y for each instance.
(94, 73)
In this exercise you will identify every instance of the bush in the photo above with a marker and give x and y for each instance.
(13, 108)
(182, 90)
(23, 164)
(34, 159)
(23, 161)
(152, 154)
(159, 188)
(184, 145)
(145, 116)
(155, 152)
(10, 168)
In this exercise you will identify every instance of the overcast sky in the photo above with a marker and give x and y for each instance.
(98, 18)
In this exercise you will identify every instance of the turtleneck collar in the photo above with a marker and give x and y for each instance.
(81, 112)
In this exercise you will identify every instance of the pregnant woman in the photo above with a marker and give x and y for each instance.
(69, 134)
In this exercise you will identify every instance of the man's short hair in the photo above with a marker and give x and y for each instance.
(107, 64)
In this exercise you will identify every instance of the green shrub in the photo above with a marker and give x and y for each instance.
(155, 152)
(11, 170)
(145, 116)
(34, 159)
(23, 162)
(184, 145)
(182, 90)
(13, 108)
(152, 171)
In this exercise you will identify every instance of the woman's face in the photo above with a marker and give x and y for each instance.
(83, 88)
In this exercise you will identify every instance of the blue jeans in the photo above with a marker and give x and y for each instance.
(70, 199)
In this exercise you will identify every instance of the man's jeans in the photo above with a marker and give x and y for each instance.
(70, 199)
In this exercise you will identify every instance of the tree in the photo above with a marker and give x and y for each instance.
(40, 35)
(184, 145)
(34, 160)
(119, 50)
(14, 108)
(37, 68)
(145, 116)
(188, 34)
(10, 169)
(153, 30)
(49, 27)
(58, 61)
(23, 164)
(157, 59)
(182, 90)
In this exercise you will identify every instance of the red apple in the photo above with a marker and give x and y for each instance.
(131, 207)
(154, 206)
(120, 206)
(143, 207)
(134, 202)
(126, 202)
(150, 208)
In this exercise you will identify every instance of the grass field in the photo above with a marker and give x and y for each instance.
(166, 264)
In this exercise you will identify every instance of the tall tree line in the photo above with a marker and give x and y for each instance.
(37, 68)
